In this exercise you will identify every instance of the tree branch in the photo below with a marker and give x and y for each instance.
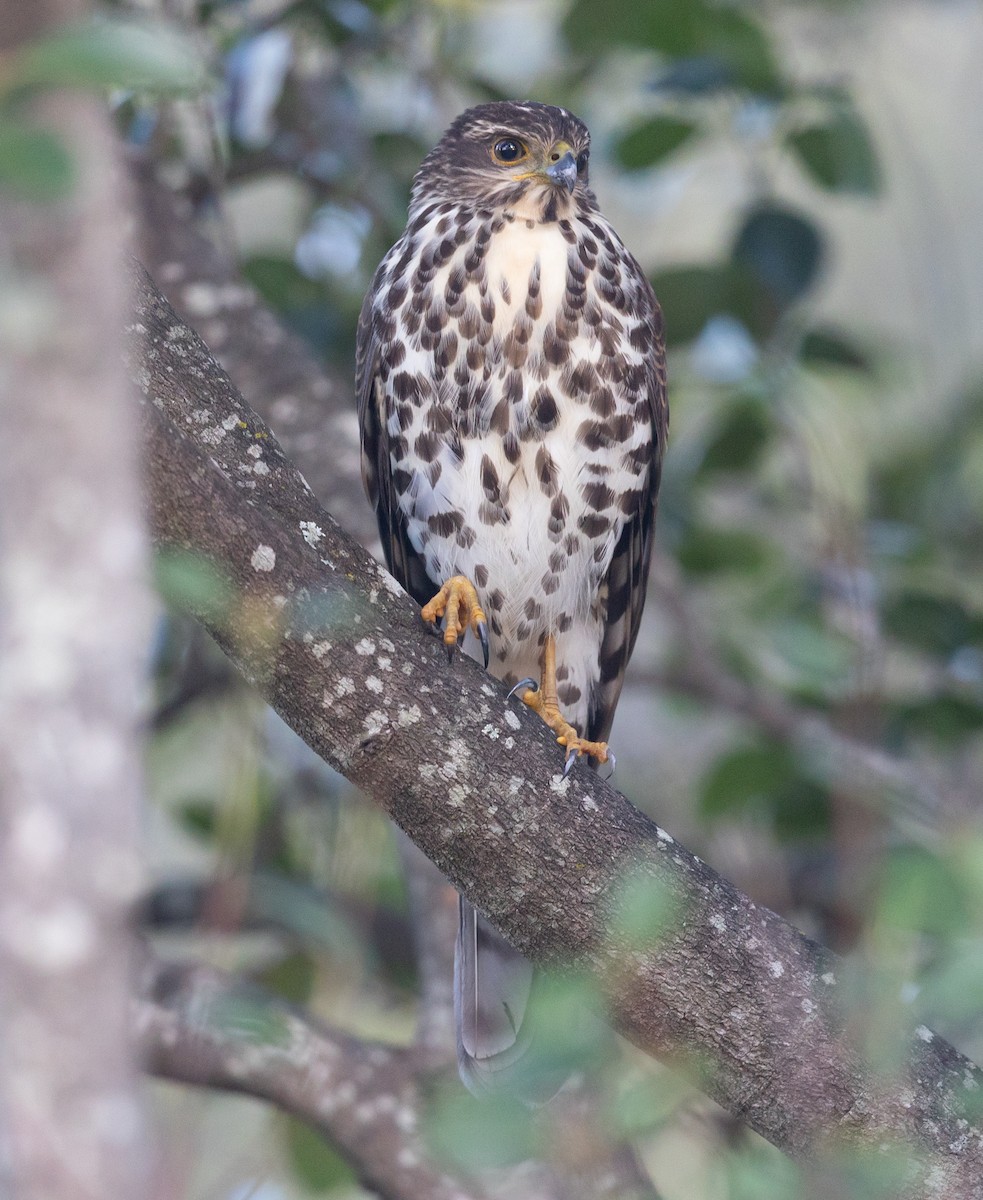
(200, 1026)
(339, 651)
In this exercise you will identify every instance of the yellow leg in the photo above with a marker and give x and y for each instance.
(457, 603)
(546, 703)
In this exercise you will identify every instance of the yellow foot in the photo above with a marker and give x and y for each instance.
(543, 700)
(457, 603)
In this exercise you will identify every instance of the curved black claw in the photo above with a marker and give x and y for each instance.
(572, 757)
(483, 638)
(613, 760)
(526, 685)
(450, 648)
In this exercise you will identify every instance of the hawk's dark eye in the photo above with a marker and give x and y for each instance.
(582, 158)
(509, 150)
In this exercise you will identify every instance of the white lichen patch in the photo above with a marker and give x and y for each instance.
(924, 1033)
(559, 785)
(384, 662)
(409, 716)
(751, 944)
(230, 422)
(311, 532)
(261, 469)
(255, 451)
(492, 732)
(776, 969)
(345, 686)
(264, 558)
(512, 720)
(808, 1007)
(57, 938)
(718, 922)
(375, 722)
(515, 783)
(375, 685)
(663, 836)
(320, 649)
(390, 584)
(457, 795)
(365, 647)
(590, 804)
(387, 644)
(829, 979)
(38, 837)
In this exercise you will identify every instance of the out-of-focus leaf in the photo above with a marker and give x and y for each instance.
(839, 155)
(921, 891)
(473, 1134)
(114, 52)
(937, 624)
(694, 77)
(781, 249)
(249, 1017)
(829, 347)
(945, 718)
(740, 439)
(313, 1161)
(690, 296)
(198, 817)
(653, 140)
(818, 655)
(34, 163)
(706, 551)
(190, 582)
(765, 778)
(687, 29)
(644, 909)
(292, 978)
(745, 778)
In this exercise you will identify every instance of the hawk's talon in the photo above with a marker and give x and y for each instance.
(457, 602)
(482, 631)
(527, 685)
(572, 755)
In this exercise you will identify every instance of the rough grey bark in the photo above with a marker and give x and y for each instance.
(717, 984)
(74, 624)
(202, 1027)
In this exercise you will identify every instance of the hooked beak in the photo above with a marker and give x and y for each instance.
(564, 172)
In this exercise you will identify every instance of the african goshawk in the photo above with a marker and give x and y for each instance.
(512, 399)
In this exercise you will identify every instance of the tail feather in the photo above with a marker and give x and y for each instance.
(495, 994)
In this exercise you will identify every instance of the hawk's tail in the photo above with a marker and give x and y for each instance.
(497, 1008)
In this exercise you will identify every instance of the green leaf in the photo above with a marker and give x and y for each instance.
(830, 347)
(922, 892)
(745, 778)
(839, 156)
(292, 977)
(705, 551)
(314, 1163)
(473, 1134)
(190, 582)
(114, 52)
(781, 250)
(34, 163)
(934, 623)
(680, 29)
(653, 140)
(740, 439)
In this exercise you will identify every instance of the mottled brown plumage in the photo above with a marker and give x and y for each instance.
(512, 399)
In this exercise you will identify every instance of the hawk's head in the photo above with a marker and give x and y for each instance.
(509, 154)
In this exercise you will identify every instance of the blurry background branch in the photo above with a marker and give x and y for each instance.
(74, 625)
(563, 867)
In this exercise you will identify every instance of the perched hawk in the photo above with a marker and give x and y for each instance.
(512, 399)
